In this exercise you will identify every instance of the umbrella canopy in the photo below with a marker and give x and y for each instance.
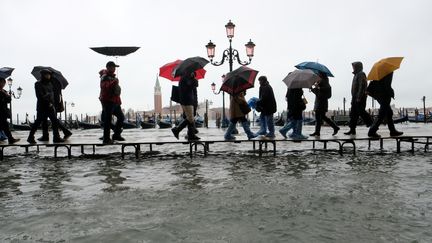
(383, 67)
(315, 66)
(115, 50)
(239, 80)
(6, 72)
(55, 74)
(167, 70)
(301, 79)
(189, 65)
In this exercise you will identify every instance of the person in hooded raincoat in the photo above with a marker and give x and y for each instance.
(358, 100)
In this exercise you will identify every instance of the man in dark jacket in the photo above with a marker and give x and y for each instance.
(187, 97)
(45, 106)
(358, 100)
(111, 103)
(5, 98)
(267, 106)
(58, 105)
(382, 91)
(323, 93)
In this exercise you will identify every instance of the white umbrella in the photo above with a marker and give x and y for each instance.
(303, 78)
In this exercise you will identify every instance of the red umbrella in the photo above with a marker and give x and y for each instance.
(239, 80)
(166, 71)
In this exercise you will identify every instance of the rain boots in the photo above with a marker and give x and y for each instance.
(191, 132)
(228, 134)
(176, 130)
(246, 128)
(288, 126)
(297, 130)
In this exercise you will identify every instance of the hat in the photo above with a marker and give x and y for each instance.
(111, 64)
(45, 71)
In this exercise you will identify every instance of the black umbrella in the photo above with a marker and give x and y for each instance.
(5, 72)
(115, 50)
(55, 74)
(189, 65)
(239, 80)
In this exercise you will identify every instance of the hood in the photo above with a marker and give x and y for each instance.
(357, 67)
(102, 72)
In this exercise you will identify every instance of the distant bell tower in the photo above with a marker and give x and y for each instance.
(157, 97)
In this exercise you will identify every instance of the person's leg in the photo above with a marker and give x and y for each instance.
(263, 125)
(118, 113)
(67, 133)
(176, 130)
(390, 123)
(4, 125)
(188, 110)
(107, 114)
(318, 122)
(52, 115)
(366, 117)
(40, 116)
(246, 127)
(354, 115)
(45, 134)
(289, 124)
(228, 133)
(375, 126)
(332, 124)
(270, 125)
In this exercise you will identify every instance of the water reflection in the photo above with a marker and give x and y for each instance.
(188, 172)
(111, 169)
(9, 181)
(53, 173)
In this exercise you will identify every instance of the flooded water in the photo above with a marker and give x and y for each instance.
(232, 195)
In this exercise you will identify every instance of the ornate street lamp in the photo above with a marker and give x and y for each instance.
(12, 94)
(230, 55)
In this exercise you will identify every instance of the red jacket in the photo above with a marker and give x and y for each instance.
(110, 89)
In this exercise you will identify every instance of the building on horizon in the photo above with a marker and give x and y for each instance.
(157, 97)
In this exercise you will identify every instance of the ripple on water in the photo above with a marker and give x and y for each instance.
(301, 196)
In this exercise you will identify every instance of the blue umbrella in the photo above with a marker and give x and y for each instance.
(315, 66)
(5, 72)
(252, 102)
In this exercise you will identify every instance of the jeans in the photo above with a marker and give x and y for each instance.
(110, 109)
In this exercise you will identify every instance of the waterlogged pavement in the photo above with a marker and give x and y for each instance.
(230, 196)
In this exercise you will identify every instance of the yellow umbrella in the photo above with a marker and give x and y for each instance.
(383, 67)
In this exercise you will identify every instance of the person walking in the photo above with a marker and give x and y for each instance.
(45, 107)
(382, 91)
(187, 97)
(322, 91)
(358, 99)
(295, 108)
(111, 103)
(59, 107)
(267, 106)
(238, 111)
(5, 99)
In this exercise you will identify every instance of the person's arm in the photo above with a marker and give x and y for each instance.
(362, 83)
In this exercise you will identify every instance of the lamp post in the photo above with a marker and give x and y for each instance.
(65, 109)
(230, 54)
(12, 94)
(424, 108)
(344, 101)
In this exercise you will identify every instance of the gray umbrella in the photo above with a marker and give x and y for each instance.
(5, 72)
(115, 50)
(304, 78)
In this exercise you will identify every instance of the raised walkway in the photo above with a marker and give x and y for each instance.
(259, 145)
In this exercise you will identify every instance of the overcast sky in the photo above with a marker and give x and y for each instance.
(334, 32)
